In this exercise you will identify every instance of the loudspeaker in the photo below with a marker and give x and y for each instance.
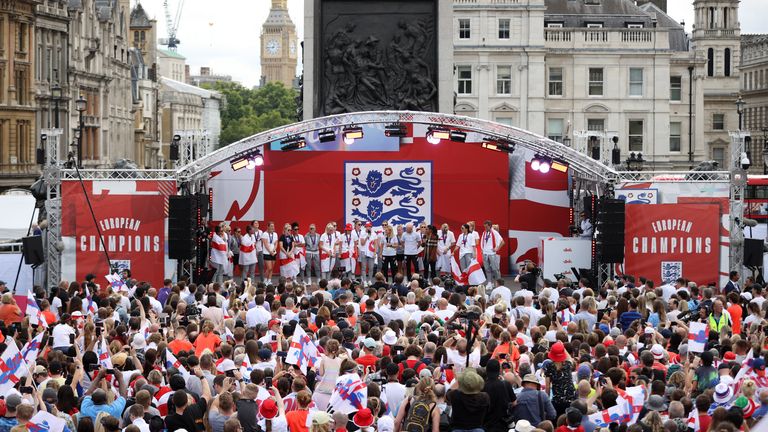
(753, 252)
(174, 151)
(610, 228)
(32, 248)
(202, 204)
(182, 224)
(587, 205)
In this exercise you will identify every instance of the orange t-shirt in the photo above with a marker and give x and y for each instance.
(297, 420)
(10, 313)
(211, 341)
(736, 312)
(50, 317)
(504, 349)
(176, 346)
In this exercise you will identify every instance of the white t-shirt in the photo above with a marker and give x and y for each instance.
(502, 292)
(328, 242)
(61, 334)
(490, 241)
(257, 315)
(466, 243)
(348, 241)
(271, 240)
(389, 246)
(444, 241)
(279, 424)
(460, 361)
(411, 242)
(257, 235)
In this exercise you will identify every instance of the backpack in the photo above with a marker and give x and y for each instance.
(419, 416)
(405, 366)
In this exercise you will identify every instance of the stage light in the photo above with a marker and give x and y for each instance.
(351, 134)
(240, 163)
(327, 135)
(435, 134)
(498, 144)
(458, 136)
(293, 143)
(559, 166)
(543, 164)
(395, 130)
(255, 160)
(535, 163)
(491, 146)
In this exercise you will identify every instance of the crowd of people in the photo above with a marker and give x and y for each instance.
(395, 350)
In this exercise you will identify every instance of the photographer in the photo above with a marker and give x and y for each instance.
(530, 276)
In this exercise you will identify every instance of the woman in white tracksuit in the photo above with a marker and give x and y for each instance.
(248, 257)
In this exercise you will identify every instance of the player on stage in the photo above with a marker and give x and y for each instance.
(299, 247)
(446, 241)
(328, 247)
(219, 253)
(269, 243)
(312, 240)
(248, 259)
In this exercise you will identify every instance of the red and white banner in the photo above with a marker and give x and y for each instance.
(666, 241)
(134, 230)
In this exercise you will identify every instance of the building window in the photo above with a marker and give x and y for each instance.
(635, 81)
(595, 125)
(465, 79)
(718, 155)
(711, 17)
(504, 28)
(595, 25)
(464, 29)
(554, 25)
(676, 88)
(727, 62)
(503, 80)
(675, 129)
(636, 135)
(634, 26)
(555, 129)
(555, 81)
(710, 62)
(506, 121)
(21, 87)
(595, 81)
(718, 121)
(22, 40)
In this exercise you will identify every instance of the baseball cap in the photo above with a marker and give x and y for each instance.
(369, 343)
(273, 322)
(12, 401)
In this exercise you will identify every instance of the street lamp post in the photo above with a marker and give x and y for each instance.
(740, 104)
(567, 141)
(635, 162)
(56, 96)
(81, 105)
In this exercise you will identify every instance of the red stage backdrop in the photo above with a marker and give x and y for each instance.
(667, 241)
(132, 216)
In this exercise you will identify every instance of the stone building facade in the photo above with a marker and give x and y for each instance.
(754, 88)
(279, 46)
(18, 106)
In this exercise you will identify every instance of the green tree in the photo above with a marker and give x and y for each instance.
(250, 111)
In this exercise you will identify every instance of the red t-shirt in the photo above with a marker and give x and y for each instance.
(704, 421)
(297, 421)
(411, 364)
(368, 360)
(176, 346)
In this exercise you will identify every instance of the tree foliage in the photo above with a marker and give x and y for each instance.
(249, 111)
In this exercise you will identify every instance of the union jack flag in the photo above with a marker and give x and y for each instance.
(92, 309)
(33, 310)
(350, 394)
(44, 421)
(11, 370)
(32, 348)
(303, 351)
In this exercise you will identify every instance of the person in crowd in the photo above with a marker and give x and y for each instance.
(269, 242)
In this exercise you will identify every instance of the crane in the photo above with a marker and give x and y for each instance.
(172, 24)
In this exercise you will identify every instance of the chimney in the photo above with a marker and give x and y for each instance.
(186, 73)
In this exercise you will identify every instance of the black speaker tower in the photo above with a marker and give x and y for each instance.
(609, 230)
(182, 226)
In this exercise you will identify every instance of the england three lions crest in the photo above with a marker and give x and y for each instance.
(397, 192)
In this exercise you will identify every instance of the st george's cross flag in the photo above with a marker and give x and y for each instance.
(473, 276)
(246, 368)
(105, 358)
(172, 361)
(349, 395)
(303, 351)
(616, 414)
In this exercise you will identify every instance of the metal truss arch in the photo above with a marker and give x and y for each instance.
(581, 165)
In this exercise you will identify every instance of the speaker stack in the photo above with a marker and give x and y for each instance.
(609, 231)
(182, 226)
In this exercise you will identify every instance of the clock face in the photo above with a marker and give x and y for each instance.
(273, 46)
(293, 47)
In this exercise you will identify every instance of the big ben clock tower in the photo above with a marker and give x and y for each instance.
(279, 47)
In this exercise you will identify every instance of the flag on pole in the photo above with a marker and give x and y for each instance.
(12, 367)
(172, 361)
(91, 309)
(33, 310)
(303, 351)
(44, 421)
(32, 348)
(615, 414)
(349, 395)
(693, 420)
(116, 282)
(698, 334)
(636, 396)
(473, 276)
(105, 358)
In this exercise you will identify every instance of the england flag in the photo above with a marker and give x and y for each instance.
(303, 351)
(105, 358)
(33, 310)
(12, 367)
(32, 348)
(172, 361)
(473, 276)
(349, 395)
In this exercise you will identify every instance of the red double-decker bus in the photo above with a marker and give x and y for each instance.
(756, 198)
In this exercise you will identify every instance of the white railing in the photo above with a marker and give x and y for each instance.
(570, 38)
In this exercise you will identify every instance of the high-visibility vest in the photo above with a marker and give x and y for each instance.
(717, 325)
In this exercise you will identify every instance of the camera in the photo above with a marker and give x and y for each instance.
(470, 315)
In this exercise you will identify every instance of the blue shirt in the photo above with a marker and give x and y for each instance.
(653, 319)
(528, 403)
(115, 409)
(627, 318)
(7, 423)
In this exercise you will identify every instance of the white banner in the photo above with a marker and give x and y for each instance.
(561, 253)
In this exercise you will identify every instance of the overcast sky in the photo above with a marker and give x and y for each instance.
(224, 34)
